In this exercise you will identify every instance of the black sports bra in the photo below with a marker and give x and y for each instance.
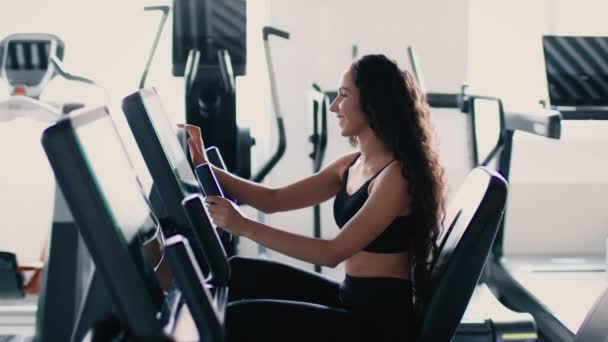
(394, 239)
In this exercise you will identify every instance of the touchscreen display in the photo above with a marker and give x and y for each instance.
(115, 176)
(168, 139)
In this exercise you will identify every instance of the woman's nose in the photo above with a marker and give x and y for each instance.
(333, 106)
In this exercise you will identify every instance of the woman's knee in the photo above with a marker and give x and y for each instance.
(242, 267)
(237, 261)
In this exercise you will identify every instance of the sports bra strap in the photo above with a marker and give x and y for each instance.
(346, 173)
(384, 167)
(354, 160)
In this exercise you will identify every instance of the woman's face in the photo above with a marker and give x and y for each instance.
(351, 119)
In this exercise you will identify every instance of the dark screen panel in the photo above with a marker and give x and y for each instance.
(165, 159)
(27, 61)
(577, 70)
(28, 55)
(112, 213)
(115, 176)
(168, 139)
(209, 25)
(122, 192)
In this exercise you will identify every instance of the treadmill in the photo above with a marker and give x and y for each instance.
(557, 290)
(28, 61)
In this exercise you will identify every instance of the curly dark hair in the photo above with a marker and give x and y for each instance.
(398, 113)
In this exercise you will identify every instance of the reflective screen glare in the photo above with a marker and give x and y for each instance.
(114, 174)
(168, 137)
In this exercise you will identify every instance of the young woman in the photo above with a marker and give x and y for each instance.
(388, 204)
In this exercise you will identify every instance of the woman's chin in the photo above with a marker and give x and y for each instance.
(347, 131)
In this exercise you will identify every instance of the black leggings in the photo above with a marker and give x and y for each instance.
(270, 301)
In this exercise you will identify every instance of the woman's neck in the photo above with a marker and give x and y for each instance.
(371, 148)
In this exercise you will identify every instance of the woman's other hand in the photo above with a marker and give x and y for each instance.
(225, 214)
(195, 144)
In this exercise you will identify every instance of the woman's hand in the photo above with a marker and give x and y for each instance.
(195, 144)
(226, 214)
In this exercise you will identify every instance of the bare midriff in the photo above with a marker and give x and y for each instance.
(365, 264)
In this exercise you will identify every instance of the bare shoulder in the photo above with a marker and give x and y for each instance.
(340, 164)
(392, 187)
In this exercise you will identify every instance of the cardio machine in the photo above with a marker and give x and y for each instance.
(28, 62)
(125, 238)
(207, 65)
(490, 131)
(541, 282)
(320, 101)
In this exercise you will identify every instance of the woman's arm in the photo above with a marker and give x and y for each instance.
(309, 191)
(386, 201)
(312, 190)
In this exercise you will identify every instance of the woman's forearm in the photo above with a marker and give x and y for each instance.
(247, 192)
(250, 193)
(313, 250)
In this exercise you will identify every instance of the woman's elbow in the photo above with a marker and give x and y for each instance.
(267, 210)
(331, 264)
(334, 257)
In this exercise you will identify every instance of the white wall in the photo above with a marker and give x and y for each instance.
(322, 35)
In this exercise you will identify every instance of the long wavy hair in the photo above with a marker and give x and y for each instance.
(398, 113)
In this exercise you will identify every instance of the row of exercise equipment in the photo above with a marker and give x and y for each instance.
(140, 314)
(473, 218)
(30, 61)
(539, 284)
(87, 288)
(113, 310)
(42, 305)
(534, 285)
